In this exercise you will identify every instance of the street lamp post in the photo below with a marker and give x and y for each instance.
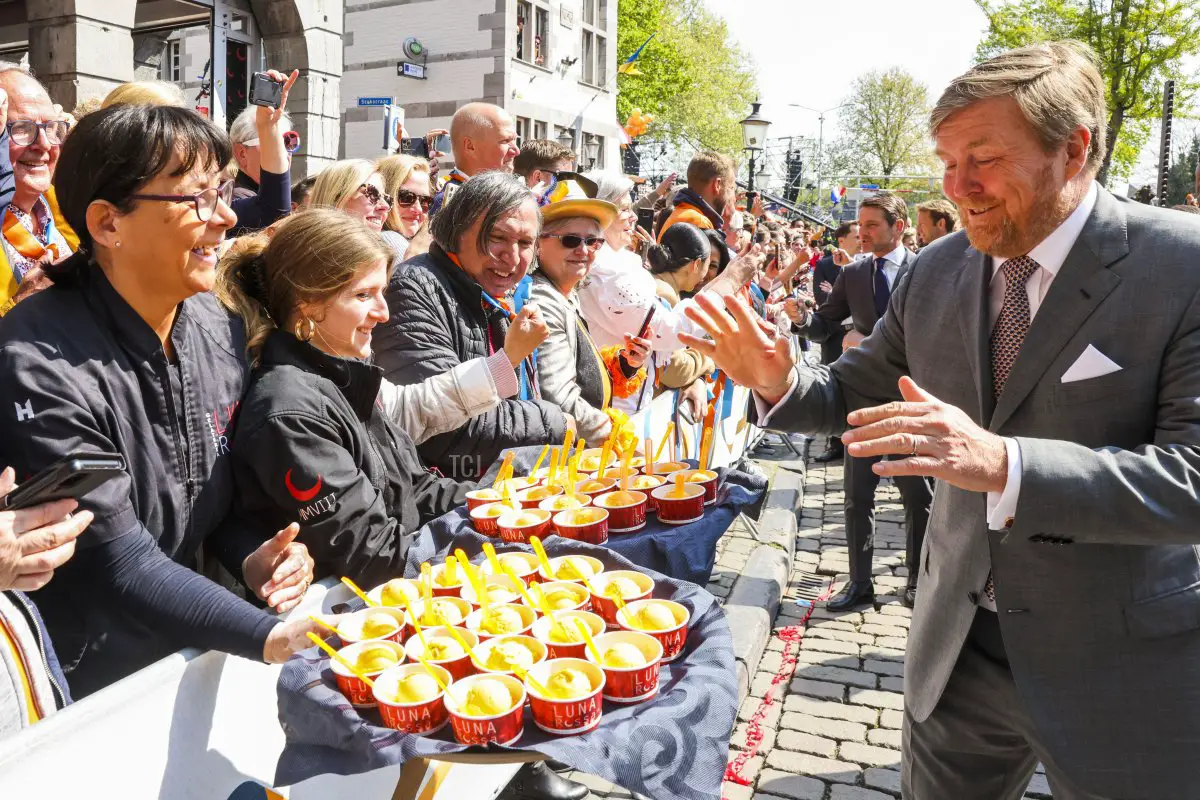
(754, 136)
(591, 150)
(820, 137)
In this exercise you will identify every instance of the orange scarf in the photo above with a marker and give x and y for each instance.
(24, 242)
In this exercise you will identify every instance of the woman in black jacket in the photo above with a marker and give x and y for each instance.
(314, 441)
(128, 352)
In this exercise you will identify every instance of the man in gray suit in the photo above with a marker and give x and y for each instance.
(1048, 366)
(861, 293)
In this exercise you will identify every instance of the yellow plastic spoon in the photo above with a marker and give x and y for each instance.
(587, 637)
(352, 586)
(541, 554)
(336, 656)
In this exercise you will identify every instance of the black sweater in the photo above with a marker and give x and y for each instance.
(313, 445)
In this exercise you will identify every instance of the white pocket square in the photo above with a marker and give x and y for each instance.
(1091, 364)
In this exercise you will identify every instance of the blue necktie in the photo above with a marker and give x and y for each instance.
(882, 292)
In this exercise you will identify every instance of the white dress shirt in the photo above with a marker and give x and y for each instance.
(1050, 255)
(891, 266)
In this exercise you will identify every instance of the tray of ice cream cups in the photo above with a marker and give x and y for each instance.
(479, 714)
(371, 658)
(410, 699)
(561, 635)
(630, 661)
(665, 620)
(574, 703)
(676, 509)
(631, 585)
(441, 647)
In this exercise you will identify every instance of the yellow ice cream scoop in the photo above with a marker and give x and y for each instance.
(622, 587)
(508, 655)
(655, 617)
(623, 655)
(566, 633)
(562, 598)
(574, 568)
(515, 563)
(501, 620)
(593, 486)
(497, 595)
(444, 578)
(486, 494)
(525, 520)
(378, 625)
(443, 648)
(567, 684)
(621, 499)
(416, 688)
(397, 592)
(699, 477)
(487, 697)
(376, 658)
(441, 612)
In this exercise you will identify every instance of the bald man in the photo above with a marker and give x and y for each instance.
(484, 137)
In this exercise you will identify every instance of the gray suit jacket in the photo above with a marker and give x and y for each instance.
(1098, 579)
(853, 296)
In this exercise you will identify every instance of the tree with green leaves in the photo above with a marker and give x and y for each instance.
(1139, 45)
(693, 79)
(1181, 178)
(884, 126)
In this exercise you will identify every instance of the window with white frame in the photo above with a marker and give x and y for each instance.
(522, 131)
(539, 129)
(533, 31)
(169, 68)
(594, 45)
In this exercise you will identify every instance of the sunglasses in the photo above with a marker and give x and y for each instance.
(205, 202)
(24, 132)
(291, 141)
(406, 198)
(571, 241)
(374, 196)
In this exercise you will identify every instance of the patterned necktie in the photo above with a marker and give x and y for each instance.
(882, 292)
(1007, 337)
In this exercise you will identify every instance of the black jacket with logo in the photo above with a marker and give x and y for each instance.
(438, 321)
(83, 373)
(314, 446)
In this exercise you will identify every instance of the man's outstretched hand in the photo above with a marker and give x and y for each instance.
(748, 350)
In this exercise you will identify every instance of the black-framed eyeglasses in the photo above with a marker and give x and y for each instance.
(406, 198)
(373, 195)
(205, 202)
(572, 240)
(25, 131)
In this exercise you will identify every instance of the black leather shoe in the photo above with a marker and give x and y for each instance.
(852, 595)
(909, 597)
(833, 452)
(538, 782)
(558, 766)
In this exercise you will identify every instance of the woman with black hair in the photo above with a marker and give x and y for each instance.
(128, 352)
(718, 257)
(679, 263)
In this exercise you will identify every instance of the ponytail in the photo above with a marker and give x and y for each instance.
(681, 244)
(242, 288)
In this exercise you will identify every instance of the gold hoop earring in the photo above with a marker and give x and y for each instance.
(308, 332)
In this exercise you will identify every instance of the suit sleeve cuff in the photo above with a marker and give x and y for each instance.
(1002, 506)
(503, 374)
(765, 412)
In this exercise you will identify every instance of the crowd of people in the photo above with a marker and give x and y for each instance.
(299, 376)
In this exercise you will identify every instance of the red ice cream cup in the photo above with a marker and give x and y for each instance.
(475, 620)
(481, 497)
(709, 482)
(485, 517)
(672, 639)
(459, 666)
(565, 502)
(509, 590)
(452, 590)
(419, 717)
(557, 563)
(633, 684)
(588, 525)
(513, 529)
(409, 589)
(571, 716)
(646, 484)
(551, 588)
(625, 518)
(526, 571)
(544, 627)
(461, 608)
(594, 487)
(533, 496)
(484, 652)
(353, 687)
(674, 510)
(606, 606)
(504, 727)
(350, 628)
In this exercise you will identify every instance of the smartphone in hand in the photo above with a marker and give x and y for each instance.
(264, 91)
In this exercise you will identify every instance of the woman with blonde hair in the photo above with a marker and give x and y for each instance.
(149, 93)
(322, 437)
(406, 179)
(355, 186)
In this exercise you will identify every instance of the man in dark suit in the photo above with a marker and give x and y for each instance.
(861, 293)
(825, 273)
(1044, 367)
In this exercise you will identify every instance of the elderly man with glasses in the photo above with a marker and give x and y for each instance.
(263, 143)
(31, 234)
